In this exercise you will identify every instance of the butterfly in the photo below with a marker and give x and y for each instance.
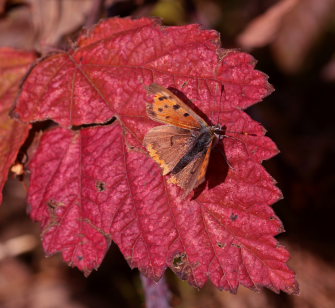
(182, 148)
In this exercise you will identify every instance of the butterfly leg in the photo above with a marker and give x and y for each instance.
(225, 157)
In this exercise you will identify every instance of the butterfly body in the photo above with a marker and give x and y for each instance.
(182, 147)
(199, 147)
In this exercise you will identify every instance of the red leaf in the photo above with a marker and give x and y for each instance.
(106, 74)
(97, 184)
(13, 65)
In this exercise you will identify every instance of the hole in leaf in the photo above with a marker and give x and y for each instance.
(179, 259)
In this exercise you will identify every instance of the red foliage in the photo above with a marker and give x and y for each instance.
(97, 184)
(13, 65)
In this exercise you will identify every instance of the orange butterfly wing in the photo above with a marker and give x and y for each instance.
(193, 174)
(168, 108)
(167, 144)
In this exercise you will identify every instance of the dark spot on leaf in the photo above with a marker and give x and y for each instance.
(186, 114)
(221, 245)
(233, 217)
(175, 107)
(182, 267)
(160, 109)
(54, 204)
(101, 186)
(179, 259)
(162, 98)
(236, 245)
(80, 258)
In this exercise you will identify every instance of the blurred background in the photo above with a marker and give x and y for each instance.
(294, 43)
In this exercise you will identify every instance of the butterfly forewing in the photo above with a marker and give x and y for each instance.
(168, 108)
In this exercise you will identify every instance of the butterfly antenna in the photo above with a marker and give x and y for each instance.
(241, 133)
(226, 159)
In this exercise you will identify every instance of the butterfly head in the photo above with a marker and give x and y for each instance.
(219, 131)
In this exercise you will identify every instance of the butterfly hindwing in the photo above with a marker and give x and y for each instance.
(168, 108)
(194, 173)
(167, 144)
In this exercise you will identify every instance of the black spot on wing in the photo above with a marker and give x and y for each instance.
(160, 109)
(152, 113)
(176, 107)
(161, 98)
(186, 115)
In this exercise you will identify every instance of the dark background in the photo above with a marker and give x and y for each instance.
(294, 43)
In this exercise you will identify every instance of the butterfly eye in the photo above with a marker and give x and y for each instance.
(219, 129)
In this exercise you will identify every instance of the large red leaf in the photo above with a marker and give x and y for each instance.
(97, 184)
(13, 65)
(107, 73)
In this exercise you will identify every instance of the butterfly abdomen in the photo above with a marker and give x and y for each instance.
(199, 147)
